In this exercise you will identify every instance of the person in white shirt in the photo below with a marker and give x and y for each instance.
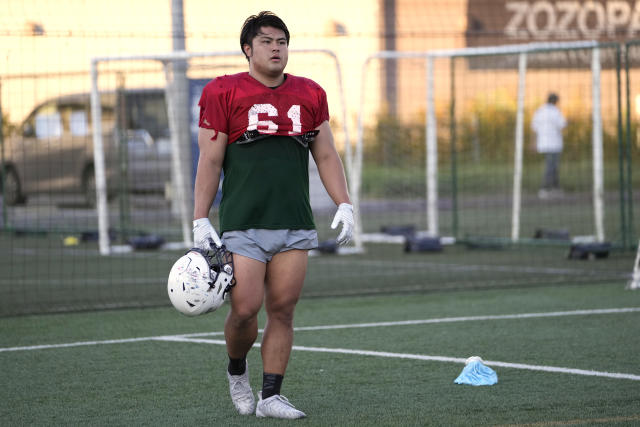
(548, 123)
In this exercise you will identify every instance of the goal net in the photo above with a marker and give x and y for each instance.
(448, 177)
(452, 153)
(442, 154)
(137, 135)
(181, 76)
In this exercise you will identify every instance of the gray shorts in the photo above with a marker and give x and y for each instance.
(262, 245)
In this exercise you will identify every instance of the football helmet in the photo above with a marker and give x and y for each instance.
(200, 280)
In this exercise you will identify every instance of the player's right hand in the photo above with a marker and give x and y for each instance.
(204, 235)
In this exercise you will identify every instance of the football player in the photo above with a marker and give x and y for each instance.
(259, 126)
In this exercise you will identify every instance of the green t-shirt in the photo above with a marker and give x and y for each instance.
(266, 185)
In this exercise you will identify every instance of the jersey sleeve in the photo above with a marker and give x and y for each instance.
(322, 112)
(213, 107)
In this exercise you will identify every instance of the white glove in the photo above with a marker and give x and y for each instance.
(204, 235)
(344, 215)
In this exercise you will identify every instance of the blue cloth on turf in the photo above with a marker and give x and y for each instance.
(477, 373)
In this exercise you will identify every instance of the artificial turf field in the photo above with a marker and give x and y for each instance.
(357, 361)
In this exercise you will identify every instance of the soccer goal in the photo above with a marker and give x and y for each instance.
(173, 72)
(451, 153)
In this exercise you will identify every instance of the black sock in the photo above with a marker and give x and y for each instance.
(237, 366)
(271, 384)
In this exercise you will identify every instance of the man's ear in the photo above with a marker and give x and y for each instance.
(247, 49)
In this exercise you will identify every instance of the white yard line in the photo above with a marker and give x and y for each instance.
(194, 338)
(345, 326)
(386, 354)
(74, 344)
(474, 318)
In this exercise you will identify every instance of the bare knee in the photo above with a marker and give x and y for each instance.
(242, 315)
(281, 311)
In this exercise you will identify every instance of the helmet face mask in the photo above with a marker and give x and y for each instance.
(200, 280)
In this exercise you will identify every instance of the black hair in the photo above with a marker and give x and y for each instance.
(252, 26)
(552, 99)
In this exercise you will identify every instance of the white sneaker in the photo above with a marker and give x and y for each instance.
(241, 393)
(277, 406)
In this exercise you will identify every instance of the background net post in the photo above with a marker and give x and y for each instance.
(634, 283)
(632, 151)
(3, 214)
(176, 94)
(99, 164)
(519, 147)
(431, 156)
(598, 172)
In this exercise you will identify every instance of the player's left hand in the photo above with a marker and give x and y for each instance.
(344, 215)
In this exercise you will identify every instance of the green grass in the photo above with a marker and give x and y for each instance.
(486, 177)
(171, 383)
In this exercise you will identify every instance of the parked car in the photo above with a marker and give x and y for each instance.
(52, 150)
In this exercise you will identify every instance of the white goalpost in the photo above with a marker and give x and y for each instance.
(178, 147)
(634, 283)
(431, 133)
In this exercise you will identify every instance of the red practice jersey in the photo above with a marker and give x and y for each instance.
(237, 103)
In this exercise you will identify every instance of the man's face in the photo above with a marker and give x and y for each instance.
(268, 53)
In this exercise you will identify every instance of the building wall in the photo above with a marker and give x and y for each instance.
(425, 26)
(436, 25)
